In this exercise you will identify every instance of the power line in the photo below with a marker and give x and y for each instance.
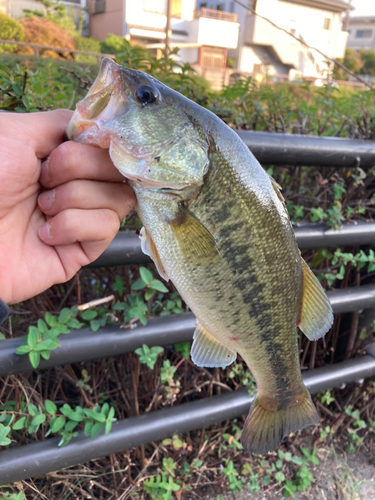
(335, 61)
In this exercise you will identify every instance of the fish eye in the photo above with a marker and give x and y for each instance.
(145, 94)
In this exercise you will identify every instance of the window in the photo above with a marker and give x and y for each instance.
(158, 6)
(176, 8)
(257, 68)
(99, 7)
(203, 5)
(231, 8)
(326, 23)
(363, 34)
(221, 7)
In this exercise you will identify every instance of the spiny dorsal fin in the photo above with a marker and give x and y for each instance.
(149, 248)
(208, 351)
(277, 188)
(316, 311)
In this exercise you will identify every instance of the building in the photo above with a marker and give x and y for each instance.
(264, 49)
(203, 35)
(361, 33)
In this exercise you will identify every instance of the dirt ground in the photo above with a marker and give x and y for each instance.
(339, 476)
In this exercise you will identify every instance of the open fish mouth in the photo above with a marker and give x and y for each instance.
(126, 112)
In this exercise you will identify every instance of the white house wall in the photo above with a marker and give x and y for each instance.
(357, 43)
(305, 20)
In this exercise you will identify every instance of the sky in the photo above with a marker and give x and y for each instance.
(363, 8)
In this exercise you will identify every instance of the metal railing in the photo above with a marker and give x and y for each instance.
(215, 14)
(35, 459)
(40, 458)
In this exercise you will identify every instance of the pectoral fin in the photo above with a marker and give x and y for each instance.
(149, 248)
(196, 242)
(208, 351)
(316, 316)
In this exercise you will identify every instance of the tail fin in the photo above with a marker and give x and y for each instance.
(264, 429)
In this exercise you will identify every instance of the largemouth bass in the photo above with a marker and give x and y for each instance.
(215, 224)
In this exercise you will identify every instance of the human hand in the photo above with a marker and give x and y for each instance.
(46, 236)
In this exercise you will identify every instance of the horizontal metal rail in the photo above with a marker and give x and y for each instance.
(40, 458)
(85, 345)
(126, 247)
(293, 149)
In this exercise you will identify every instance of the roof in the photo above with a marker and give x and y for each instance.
(361, 19)
(330, 5)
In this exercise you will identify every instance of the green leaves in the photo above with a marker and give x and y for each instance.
(42, 339)
(147, 281)
(4, 432)
(148, 356)
(63, 421)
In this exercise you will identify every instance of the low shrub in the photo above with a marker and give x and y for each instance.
(44, 31)
(10, 29)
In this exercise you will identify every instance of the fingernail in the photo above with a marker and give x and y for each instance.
(44, 169)
(47, 198)
(45, 232)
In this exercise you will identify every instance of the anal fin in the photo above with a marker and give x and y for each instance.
(208, 351)
(316, 315)
(149, 248)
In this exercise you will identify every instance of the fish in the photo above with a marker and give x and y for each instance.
(216, 225)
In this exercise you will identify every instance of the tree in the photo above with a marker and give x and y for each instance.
(59, 14)
(368, 58)
(352, 61)
(45, 32)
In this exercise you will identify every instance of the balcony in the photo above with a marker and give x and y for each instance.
(215, 14)
(213, 28)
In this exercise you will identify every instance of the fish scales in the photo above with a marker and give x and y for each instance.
(234, 295)
(215, 224)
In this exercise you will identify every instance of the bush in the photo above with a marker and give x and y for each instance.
(114, 44)
(352, 61)
(10, 29)
(45, 32)
(368, 58)
(87, 45)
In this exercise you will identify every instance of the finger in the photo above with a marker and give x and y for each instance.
(72, 160)
(44, 131)
(94, 229)
(116, 196)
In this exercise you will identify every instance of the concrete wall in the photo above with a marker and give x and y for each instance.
(213, 32)
(303, 20)
(356, 42)
(111, 21)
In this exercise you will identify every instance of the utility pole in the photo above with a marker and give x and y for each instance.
(346, 22)
(168, 31)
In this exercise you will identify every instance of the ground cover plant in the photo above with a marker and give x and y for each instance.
(90, 396)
